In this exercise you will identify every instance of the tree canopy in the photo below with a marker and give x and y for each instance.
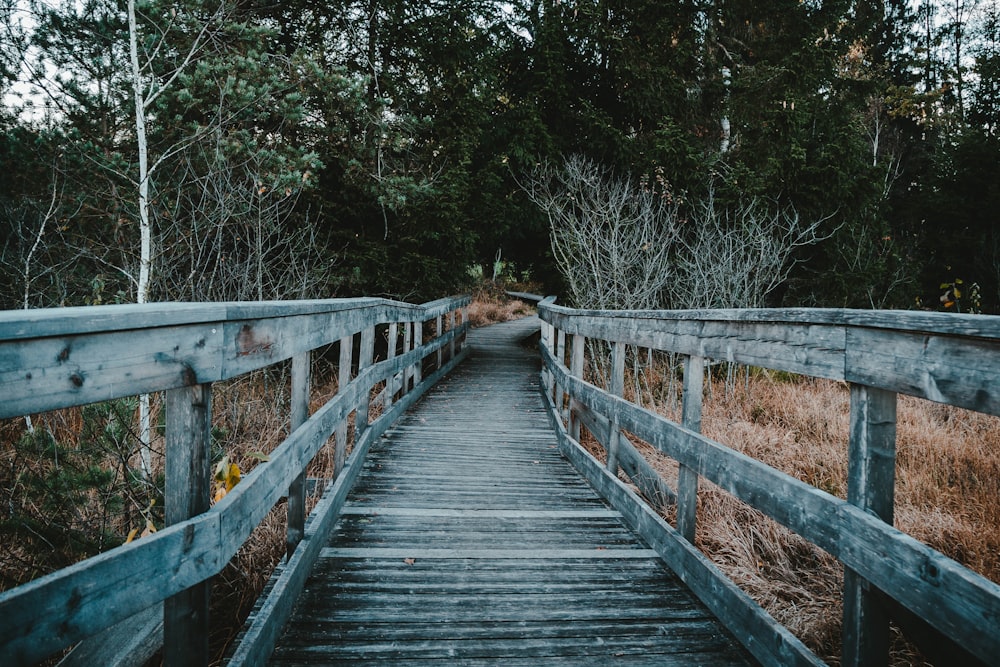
(299, 149)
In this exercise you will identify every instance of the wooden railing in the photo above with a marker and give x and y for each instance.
(52, 359)
(952, 359)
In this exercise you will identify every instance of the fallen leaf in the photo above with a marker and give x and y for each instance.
(409, 561)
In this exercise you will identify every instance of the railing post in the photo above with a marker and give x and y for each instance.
(547, 341)
(390, 383)
(296, 517)
(576, 369)
(465, 318)
(343, 379)
(451, 327)
(687, 479)
(871, 475)
(617, 387)
(365, 358)
(186, 494)
(437, 334)
(407, 347)
(418, 340)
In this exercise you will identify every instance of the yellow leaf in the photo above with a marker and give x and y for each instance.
(233, 477)
(220, 493)
(131, 535)
(150, 529)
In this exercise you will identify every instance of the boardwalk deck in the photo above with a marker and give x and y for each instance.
(469, 539)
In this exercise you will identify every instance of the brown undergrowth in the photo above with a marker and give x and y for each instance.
(948, 482)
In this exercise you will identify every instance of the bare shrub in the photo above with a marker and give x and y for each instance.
(611, 237)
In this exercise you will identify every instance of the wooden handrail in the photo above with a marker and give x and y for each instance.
(68, 357)
(942, 357)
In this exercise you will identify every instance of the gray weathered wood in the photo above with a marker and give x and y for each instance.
(953, 599)
(687, 479)
(764, 637)
(418, 341)
(513, 556)
(186, 494)
(870, 485)
(296, 509)
(343, 379)
(576, 370)
(130, 643)
(365, 358)
(258, 640)
(617, 388)
(437, 333)
(391, 386)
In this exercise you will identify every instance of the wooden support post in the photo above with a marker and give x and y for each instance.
(296, 521)
(390, 383)
(871, 475)
(437, 334)
(451, 327)
(576, 369)
(186, 494)
(365, 356)
(343, 379)
(687, 479)
(617, 388)
(418, 341)
(547, 339)
(559, 351)
(465, 318)
(407, 346)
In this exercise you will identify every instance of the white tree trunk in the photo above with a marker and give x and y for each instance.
(145, 235)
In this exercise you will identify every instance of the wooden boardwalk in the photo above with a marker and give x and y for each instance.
(469, 539)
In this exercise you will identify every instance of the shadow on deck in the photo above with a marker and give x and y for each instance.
(469, 538)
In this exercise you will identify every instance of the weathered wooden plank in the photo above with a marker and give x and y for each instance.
(946, 369)
(130, 643)
(296, 507)
(810, 349)
(687, 479)
(50, 373)
(262, 631)
(55, 611)
(187, 490)
(953, 599)
(871, 479)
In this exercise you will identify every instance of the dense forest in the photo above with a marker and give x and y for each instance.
(193, 150)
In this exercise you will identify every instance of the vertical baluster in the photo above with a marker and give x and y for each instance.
(451, 327)
(343, 379)
(465, 318)
(365, 357)
(390, 383)
(617, 388)
(437, 334)
(687, 479)
(559, 351)
(871, 479)
(418, 341)
(186, 494)
(296, 509)
(576, 369)
(407, 346)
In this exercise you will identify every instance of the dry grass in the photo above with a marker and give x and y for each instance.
(948, 482)
(491, 305)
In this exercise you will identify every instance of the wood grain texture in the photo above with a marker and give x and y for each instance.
(952, 598)
(468, 538)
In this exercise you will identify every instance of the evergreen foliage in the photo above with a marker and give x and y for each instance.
(375, 146)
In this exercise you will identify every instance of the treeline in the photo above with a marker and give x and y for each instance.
(257, 150)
